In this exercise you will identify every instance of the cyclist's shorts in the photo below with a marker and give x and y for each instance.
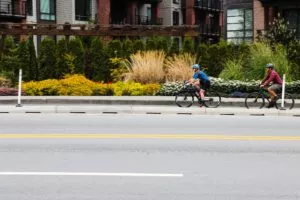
(205, 85)
(275, 87)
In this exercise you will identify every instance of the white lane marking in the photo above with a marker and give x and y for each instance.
(87, 174)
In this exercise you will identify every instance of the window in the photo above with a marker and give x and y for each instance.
(239, 25)
(149, 12)
(293, 18)
(83, 10)
(29, 7)
(47, 10)
(175, 18)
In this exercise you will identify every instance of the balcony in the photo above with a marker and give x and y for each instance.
(138, 20)
(210, 30)
(145, 20)
(211, 5)
(10, 9)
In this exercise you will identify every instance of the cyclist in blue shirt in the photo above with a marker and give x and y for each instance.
(200, 79)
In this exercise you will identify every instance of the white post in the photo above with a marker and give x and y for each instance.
(20, 89)
(283, 92)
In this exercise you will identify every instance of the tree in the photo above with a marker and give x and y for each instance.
(75, 48)
(174, 47)
(279, 32)
(62, 64)
(100, 70)
(32, 59)
(127, 48)
(114, 48)
(23, 57)
(151, 44)
(48, 62)
(163, 44)
(188, 45)
(138, 45)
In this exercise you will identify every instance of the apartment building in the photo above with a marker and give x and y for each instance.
(208, 14)
(245, 19)
(266, 10)
(135, 12)
(238, 21)
(13, 11)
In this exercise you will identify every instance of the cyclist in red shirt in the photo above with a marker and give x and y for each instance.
(272, 76)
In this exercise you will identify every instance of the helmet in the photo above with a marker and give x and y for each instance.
(196, 66)
(270, 65)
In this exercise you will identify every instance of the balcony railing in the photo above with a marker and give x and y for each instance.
(145, 20)
(210, 30)
(10, 8)
(138, 20)
(215, 5)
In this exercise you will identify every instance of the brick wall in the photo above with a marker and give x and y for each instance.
(190, 12)
(104, 12)
(258, 17)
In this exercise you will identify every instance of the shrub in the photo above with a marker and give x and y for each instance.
(225, 87)
(188, 45)
(114, 48)
(233, 70)
(127, 48)
(49, 87)
(33, 64)
(138, 45)
(261, 54)
(62, 65)
(76, 85)
(163, 44)
(134, 89)
(4, 82)
(47, 57)
(4, 91)
(146, 67)
(151, 44)
(294, 58)
(117, 69)
(75, 48)
(99, 61)
(174, 49)
(179, 67)
(101, 89)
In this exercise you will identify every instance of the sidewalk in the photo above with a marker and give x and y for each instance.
(132, 105)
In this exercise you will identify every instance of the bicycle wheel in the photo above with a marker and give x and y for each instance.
(184, 99)
(212, 99)
(289, 101)
(254, 100)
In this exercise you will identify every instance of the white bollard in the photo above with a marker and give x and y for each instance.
(20, 89)
(283, 93)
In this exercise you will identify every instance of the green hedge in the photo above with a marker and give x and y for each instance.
(226, 88)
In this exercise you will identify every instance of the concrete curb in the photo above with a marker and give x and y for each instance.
(112, 100)
(151, 110)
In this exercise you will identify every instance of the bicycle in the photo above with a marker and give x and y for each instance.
(258, 99)
(185, 97)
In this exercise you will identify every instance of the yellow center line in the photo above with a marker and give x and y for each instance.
(150, 136)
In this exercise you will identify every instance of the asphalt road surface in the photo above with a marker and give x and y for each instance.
(135, 157)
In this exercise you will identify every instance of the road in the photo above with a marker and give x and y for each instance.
(133, 157)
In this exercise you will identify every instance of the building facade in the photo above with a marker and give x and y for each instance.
(208, 14)
(245, 19)
(13, 11)
(238, 20)
(269, 9)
